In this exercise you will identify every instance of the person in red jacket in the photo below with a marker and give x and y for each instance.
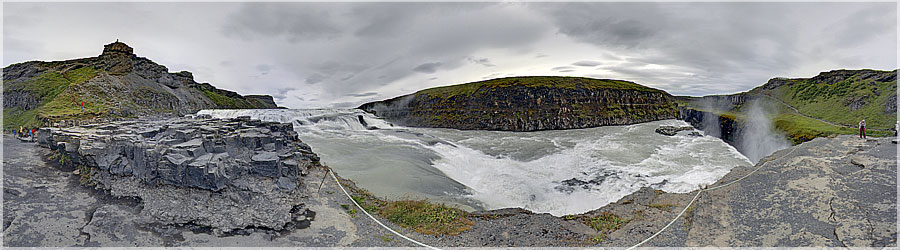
(82, 106)
(862, 129)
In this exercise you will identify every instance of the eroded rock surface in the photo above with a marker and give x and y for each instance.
(224, 174)
(834, 192)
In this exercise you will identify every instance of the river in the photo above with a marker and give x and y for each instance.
(558, 172)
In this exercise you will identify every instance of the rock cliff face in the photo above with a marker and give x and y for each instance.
(727, 127)
(528, 104)
(225, 174)
(117, 83)
(829, 103)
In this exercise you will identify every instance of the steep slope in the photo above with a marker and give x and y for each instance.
(829, 103)
(528, 104)
(115, 84)
(840, 96)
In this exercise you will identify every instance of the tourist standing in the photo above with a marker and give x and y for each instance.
(862, 129)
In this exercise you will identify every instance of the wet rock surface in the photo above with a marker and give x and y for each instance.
(224, 174)
(672, 130)
(833, 192)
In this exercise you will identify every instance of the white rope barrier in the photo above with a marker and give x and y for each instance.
(373, 218)
(708, 189)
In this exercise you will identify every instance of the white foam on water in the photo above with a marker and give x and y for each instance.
(508, 169)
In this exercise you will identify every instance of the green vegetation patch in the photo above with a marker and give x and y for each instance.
(801, 129)
(46, 88)
(604, 223)
(427, 218)
(832, 101)
(15, 117)
(534, 82)
(419, 215)
(227, 102)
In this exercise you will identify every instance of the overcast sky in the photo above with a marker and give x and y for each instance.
(312, 55)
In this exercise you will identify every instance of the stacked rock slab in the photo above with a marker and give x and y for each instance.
(226, 174)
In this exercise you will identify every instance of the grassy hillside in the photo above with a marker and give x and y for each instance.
(533, 82)
(841, 97)
(46, 89)
(831, 103)
(115, 84)
(528, 103)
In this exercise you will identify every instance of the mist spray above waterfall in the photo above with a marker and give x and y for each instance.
(710, 121)
(759, 138)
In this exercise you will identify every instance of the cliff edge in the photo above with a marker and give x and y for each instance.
(528, 104)
(831, 192)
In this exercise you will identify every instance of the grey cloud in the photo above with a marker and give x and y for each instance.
(263, 20)
(739, 45)
(491, 76)
(482, 61)
(427, 68)
(281, 93)
(315, 78)
(371, 45)
(561, 68)
(264, 69)
(343, 49)
(363, 94)
(587, 63)
(344, 104)
(876, 19)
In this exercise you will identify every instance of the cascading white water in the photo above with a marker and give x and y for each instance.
(759, 138)
(560, 172)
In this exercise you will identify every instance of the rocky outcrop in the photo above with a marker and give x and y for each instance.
(672, 130)
(117, 83)
(225, 174)
(828, 192)
(718, 125)
(528, 104)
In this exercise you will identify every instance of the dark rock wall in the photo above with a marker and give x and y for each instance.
(204, 154)
(728, 127)
(519, 108)
(225, 174)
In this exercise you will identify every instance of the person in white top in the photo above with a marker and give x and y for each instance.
(862, 129)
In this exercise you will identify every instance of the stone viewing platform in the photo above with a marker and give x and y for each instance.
(225, 174)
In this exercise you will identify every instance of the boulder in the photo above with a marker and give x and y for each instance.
(672, 130)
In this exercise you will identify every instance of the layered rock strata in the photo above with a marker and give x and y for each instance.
(225, 174)
(528, 104)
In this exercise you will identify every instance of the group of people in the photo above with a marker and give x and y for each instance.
(23, 132)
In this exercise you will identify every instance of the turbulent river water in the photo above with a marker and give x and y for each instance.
(559, 172)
